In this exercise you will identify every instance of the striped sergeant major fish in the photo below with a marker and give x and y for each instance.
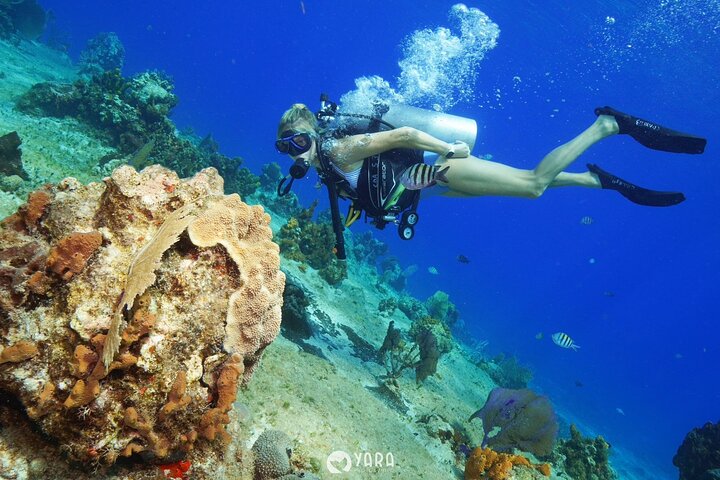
(421, 175)
(562, 340)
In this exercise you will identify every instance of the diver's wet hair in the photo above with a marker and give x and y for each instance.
(298, 113)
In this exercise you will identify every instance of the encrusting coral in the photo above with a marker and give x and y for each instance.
(185, 341)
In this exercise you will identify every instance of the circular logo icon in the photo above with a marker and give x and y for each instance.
(338, 462)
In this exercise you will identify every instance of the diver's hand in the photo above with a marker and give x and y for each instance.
(458, 150)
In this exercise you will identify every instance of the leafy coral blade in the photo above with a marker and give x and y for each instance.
(141, 273)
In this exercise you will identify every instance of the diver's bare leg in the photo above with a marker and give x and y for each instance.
(475, 177)
(567, 179)
(560, 158)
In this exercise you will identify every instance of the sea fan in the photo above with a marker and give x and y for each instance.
(525, 421)
(141, 273)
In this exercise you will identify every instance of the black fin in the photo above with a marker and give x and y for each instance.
(653, 135)
(440, 174)
(639, 195)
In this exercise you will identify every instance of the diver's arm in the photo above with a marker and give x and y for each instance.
(354, 148)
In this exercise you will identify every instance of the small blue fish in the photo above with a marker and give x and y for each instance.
(563, 340)
(420, 176)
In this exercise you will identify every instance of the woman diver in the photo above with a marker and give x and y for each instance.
(354, 160)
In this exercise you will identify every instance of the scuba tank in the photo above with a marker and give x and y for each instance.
(444, 126)
(447, 127)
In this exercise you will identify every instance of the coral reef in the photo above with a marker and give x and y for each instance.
(507, 371)
(413, 308)
(486, 464)
(439, 330)
(366, 248)
(392, 274)
(698, 457)
(387, 306)
(439, 306)
(271, 176)
(103, 53)
(10, 156)
(422, 354)
(286, 205)
(585, 457)
(128, 112)
(132, 115)
(238, 179)
(187, 339)
(150, 93)
(310, 242)
(525, 421)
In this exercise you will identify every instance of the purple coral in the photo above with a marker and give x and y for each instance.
(526, 421)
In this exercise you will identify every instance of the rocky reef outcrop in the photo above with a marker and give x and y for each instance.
(103, 53)
(131, 310)
(698, 457)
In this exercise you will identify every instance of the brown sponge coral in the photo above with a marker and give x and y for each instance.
(193, 313)
(69, 256)
(18, 352)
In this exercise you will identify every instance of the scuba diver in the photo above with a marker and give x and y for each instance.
(381, 168)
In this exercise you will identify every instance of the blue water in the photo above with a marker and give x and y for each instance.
(637, 288)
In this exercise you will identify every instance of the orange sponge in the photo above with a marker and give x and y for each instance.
(487, 464)
(69, 256)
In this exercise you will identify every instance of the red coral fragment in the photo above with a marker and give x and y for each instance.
(70, 254)
(176, 470)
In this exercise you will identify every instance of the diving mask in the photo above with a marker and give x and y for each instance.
(293, 143)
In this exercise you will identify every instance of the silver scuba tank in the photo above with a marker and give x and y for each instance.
(444, 126)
